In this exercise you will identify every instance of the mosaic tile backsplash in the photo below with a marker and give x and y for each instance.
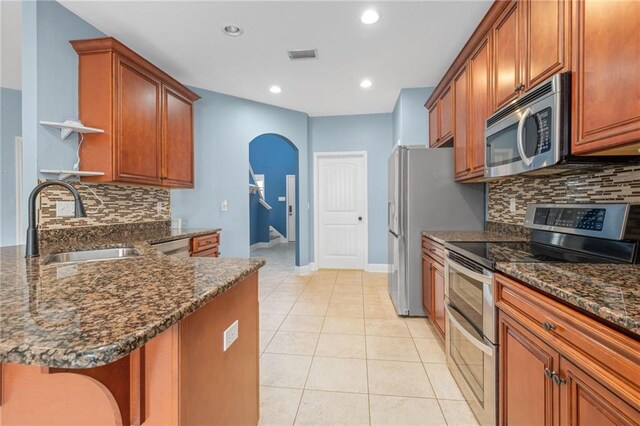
(106, 204)
(613, 183)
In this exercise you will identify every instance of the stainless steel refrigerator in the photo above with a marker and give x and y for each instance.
(423, 196)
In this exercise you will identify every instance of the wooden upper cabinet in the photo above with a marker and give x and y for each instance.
(446, 115)
(441, 120)
(506, 56)
(546, 39)
(177, 139)
(606, 88)
(461, 113)
(147, 117)
(433, 126)
(138, 117)
(480, 102)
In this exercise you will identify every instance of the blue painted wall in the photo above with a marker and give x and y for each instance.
(411, 118)
(371, 133)
(50, 85)
(10, 127)
(223, 128)
(275, 158)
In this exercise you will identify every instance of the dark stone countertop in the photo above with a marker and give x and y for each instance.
(90, 314)
(608, 291)
(451, 236)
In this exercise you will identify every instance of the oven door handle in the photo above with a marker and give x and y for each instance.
(489, 350)
(486, 279)
(520, 139)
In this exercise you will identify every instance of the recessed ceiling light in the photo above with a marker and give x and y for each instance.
(232, 30)
(370, 16)
(366, 83)
(275, 89)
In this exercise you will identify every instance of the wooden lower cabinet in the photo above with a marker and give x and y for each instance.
(433, 283)
(437, 277)
(180, 377)
(559, 367)
(523, 359)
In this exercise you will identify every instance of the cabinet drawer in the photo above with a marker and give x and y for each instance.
(205, 242)
(609, 355)
(206, 253)
(433, 249)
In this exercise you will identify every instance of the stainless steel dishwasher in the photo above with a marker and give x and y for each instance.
(175, 248)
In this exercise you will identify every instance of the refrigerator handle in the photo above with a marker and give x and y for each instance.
(389, 215)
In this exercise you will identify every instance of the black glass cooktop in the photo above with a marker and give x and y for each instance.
(488, 254)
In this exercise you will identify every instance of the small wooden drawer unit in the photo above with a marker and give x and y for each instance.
(433, 249)
(433, 283)
(205, 245)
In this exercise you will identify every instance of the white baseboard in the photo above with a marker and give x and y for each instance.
(263, 245)
(306, 269)
(376, 267)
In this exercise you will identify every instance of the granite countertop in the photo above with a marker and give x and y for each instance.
(608, 291)
(450, 236)
(90, 314)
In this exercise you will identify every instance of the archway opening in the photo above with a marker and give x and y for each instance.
(273, 203)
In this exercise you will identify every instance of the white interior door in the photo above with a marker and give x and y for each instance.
(341, 210)
(291, 208)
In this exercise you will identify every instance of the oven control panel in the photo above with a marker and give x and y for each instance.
(576, 218)
(614, 221)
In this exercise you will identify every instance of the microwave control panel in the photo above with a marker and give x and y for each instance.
(575, 218)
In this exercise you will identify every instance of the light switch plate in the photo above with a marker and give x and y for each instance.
(282, 198)
(65, 208)
(230, 335)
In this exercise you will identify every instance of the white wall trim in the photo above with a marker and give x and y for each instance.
(316, 231)
(306, 269)
(264, 245)
(377, 267)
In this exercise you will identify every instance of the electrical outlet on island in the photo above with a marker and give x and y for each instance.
(65, 209)
(230, 335)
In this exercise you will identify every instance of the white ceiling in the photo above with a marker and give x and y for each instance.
(412, 45)
(10, 44)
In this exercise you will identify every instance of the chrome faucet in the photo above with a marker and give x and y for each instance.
(33, 250)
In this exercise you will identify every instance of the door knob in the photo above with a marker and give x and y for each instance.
(359, 218)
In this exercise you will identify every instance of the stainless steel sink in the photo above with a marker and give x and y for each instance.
(92, 255)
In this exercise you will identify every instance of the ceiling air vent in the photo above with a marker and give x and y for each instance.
(303, 54)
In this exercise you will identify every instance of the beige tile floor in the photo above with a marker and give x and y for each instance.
(333, 352)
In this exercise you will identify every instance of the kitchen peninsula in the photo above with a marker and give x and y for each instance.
(128, 341)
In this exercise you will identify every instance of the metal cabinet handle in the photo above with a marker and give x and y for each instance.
(548, 326)
(558, 380)
(548, 373)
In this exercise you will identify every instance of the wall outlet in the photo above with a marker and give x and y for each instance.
(159, 207)
(230, 335)
(512, 205)
(65, 208)
(224, 206)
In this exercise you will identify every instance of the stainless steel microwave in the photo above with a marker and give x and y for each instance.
(531, 135)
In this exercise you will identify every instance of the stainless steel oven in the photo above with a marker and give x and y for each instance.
(471, 333)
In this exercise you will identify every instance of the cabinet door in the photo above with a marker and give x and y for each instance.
(545, 33)
(177, 140)
(586, 401)
(506, 56)
(446, 115)
(480, 76)
(461, 112)
(138, 125)
(427, 285)
(606, 106)
(437, 278)
(526, 394)
(433, 125)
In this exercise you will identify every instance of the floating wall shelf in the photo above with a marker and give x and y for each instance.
(64, 174)
(69, 126)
